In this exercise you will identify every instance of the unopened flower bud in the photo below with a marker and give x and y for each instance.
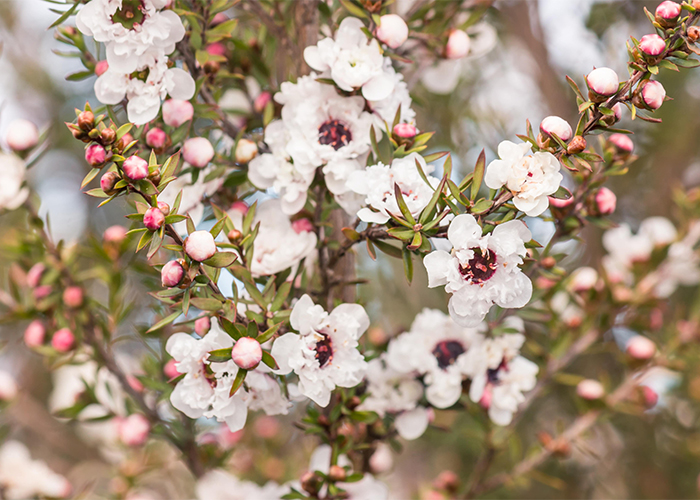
(135, 168)
(649, 396)
(233, 235)
(694, 31)
(42, 291)
(617, 109)
(548, 262)
(622, 143)
(63, 340)
(557, 126)
(114, 234)
(108, 181)
(583, 279)
(176, 112)
(124, 141)
(240, 206)
(157, 139)
(101, 67)
(653, 94)
(602, 83)
(172, 274)
(447, 480)
(605, 201)
(640, 347)
(164, 207)
(95, 155)
(202, 325)
(302, 226)
(22, 135)
(73, 297)
(310, 483)
(652, 45)
(337, 474)
(667, 13)
(577, 145)
(405, 130)
(34, 275)
(457, 45)
(86, 120)
(216, 49)
(261, 101)
(200, 246)
(246, 150)
(198, 152)
(108, 136)
(382, 460)
(392, 30)
(34, 334)
(153, 219)
(8, 387)
(246, 353)
(590, 389)
(154, 176)
(170, 369)
(133, 430)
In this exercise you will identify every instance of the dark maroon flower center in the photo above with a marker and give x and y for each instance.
(492, 374)
(324, 350)
(481, 267)
(334, 133)
(130, 14)
(447, 352)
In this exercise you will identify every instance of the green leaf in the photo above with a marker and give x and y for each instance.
(238, 381)
(234, 330)
(353, 9)
(269, 333)
(123, 130)
(165, 321)
(481, 206)
(269, 360)
(388, 249)
(478, 177)
(206, 304)
(402, 204)
(216, 229)
(64, 16)
(434, 156)
(408, 264)
(220, 355)
(252, 330)
(221, 259)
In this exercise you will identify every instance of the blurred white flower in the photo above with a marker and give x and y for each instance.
(12, 173)
(22, 478)
(218, 484)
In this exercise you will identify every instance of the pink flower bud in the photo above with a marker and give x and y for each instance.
(95, 155)
(34, 334)
(172, 274)
(156, 138)
(133, 430)
(246, 150)
(34, 275)
(266, 426)
(650, 396)
(216, 49)
(622, 142)
(603, 81)
(135, 168)
(261, 101)
(200, 246)
(640, 347)
(668, 11)
(392, 30)
(115, 234)
(170, 369)
(42, 291)
(176, 112)
(302, 226)
(382, 460)
(8, 386)
(405, 130)
(590, 389)
(134, 383)
(559, 202)
(652, 45)
(73, 297)
(653, 94)
(164, 207)
(557, 126)
(583, 279)
(198, 152)
(202, 325)
(606, 201)
(63, 340)
(219, 18)
(22, 135)
(153, 219)
(108, 182)
(239, 206)
(246, 353)
(457, 45)
(617, 109)
(101, 67)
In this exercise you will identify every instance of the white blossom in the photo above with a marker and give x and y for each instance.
(218, 484)
(12, 174)
(22, 478)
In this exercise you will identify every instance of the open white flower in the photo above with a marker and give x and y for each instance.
(377, 182)
(22, 478)
(481, 270)
(218, 484)
(324, 354)
(352, 61)
(530, 177)
(12, 173)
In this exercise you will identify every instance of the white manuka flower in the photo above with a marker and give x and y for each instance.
(444, 352)
(130, 28)
(481, 270)
(531, 178)
(377, 183)
(352, 61)
(278, 245)
(21, 477)
(324, 354)
(145, 88)
(218, 484)
(12, 173)
(396, 392)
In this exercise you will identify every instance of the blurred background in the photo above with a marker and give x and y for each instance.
(516, 73)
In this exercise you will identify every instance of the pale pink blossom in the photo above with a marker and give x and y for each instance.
(153, 219)
(668, 10)
(200, 246)
(622, 142)
(606, 201)
(34, 275)
(101, 67)
(176, 112)
(135, 168)
(202, 325)
(590, 389)
(34, 334)
(392, 30)
(73, 297)
(198, 151)
(457, 45)
(171, 274)
(603, 81)
(652, 45)
(22, 135)
(115, 234)
(133, 430)
(246, 353)
(640, 347)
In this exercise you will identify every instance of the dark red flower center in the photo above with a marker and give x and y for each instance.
(492, 374)
(324, 350)
(481, 267)
(447, 352)
(334, 133)
(130, 14)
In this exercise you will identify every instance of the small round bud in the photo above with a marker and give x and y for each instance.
(246, 150)
(198, 152)
(133, 430)
(240, 206)
(157, 139)
(108, 182)
(34, 275)
(548, 262)
(261, 101)
(154, 176)
(73, 297)
(202, 325)
(153, 219)
(124, 141)
(382, 460)
(172, 274)
(176, 112)
(34, 334)
(652, 45)
(577, 145)
(302, 226)
(86, 121)
(605, 201)
(310, 482)
(108, 136)
(650, 397)
(135, 168)
(447, 480)
(42, 291)
(667, 13)
(200, 246)
(405, 130)
(63, 340)
(602, 82)
(583, 279)
(617, 109)
(246, 353)
(216, 49)
(622, 142)
(337, 474)
(653, 94)
(164, 207)
(114, 234)
(234, 234)
(101, 67)
(170, 369)
(590, 389)
(95, 155)
(694, 31)
(457, 45)
(392, 30)
(219, 18)
(22, 135)
(557, 126)
(640, 347)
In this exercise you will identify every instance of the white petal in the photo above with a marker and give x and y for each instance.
(464, 232)
(412, 424)
(237, 421)
(313, 58)
(437, 264)
(301, 309)
(282, 349)
(110, 88)
(378, 88)
(496, 174)
(181, 85)
(368, 216)
(121, 62)
(355, 311)
(142, 110)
